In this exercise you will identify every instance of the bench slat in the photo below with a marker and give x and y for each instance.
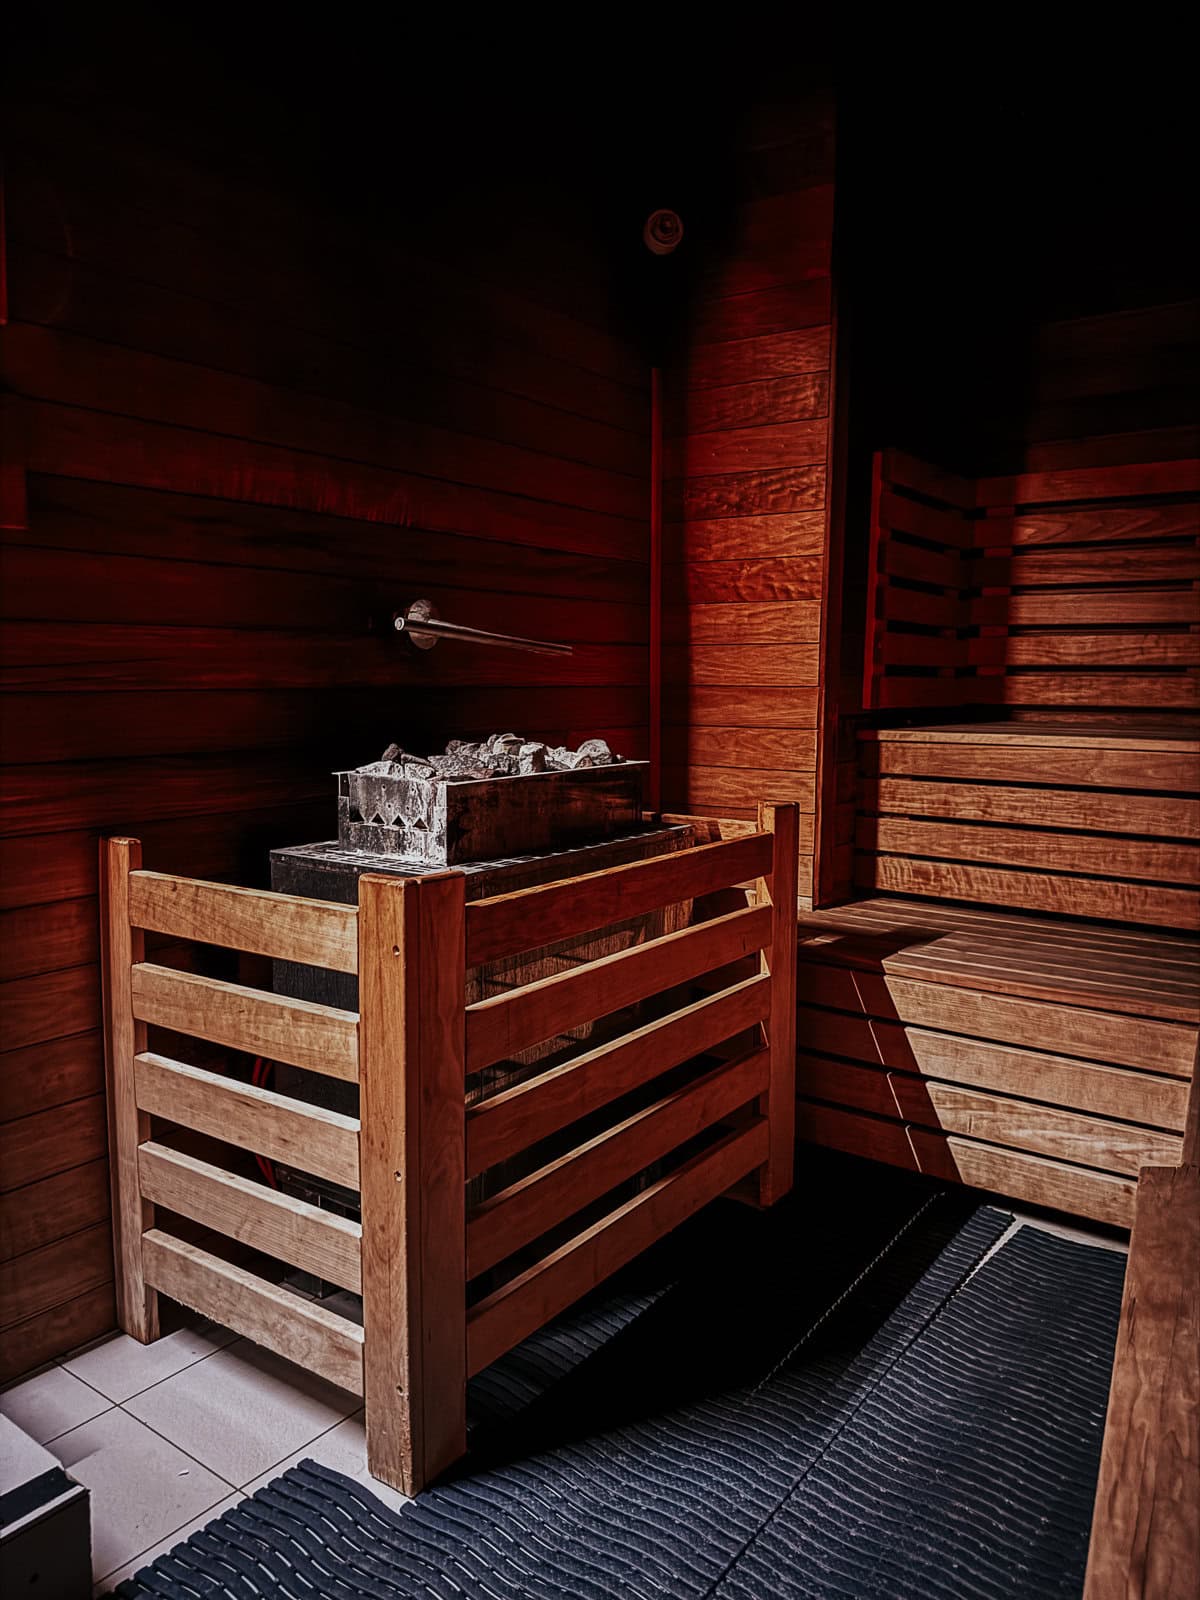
(1036, 1179)
(299, 1330)
(995, 1116)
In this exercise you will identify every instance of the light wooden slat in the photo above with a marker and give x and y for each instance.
(997, 1118)
(1087, 1086)
(1053, 735)
(1030, 608)
(310, 1138)
(529, 918)
(1152, 692)
(501, 1026)
(1059, 648)
(299, 1330)
(1132, 983)
(1022, 1176)
(319, 1038)
(779, 962)
(1104, 524)
(1140, 994)
(971, 928)
(1152, 904)
(316, 933)
(278, 1224)
(515, 1310)
(1017, 1174)
(1146, 1526)
(1120, 813)
(124, 1037)
(1091, 483)
(930, 927)
(1104, 855)
(1122, 977)
(412, 978)
(710, 828)
(504, 1223)
(1090, 765)
(886, 914)
(1094, 1035)
(514, 1119)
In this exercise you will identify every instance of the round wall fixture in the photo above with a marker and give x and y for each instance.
(662, 232)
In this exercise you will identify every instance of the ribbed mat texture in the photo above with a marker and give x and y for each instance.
(827, 1401)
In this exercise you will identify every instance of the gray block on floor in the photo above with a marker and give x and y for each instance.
(45, 1523)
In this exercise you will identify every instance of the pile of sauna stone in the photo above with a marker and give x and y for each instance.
(500, 755)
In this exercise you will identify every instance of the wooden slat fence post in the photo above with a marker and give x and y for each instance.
(779, 960)
(412, 979)
(124, 1039)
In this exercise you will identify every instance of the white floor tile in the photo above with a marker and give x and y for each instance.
(50, 1403)
(145, 1557)
(242, 1410)
(342, 1449)
(120, 1367)
(141, 1487)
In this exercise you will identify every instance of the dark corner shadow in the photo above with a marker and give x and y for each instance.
(737, 1292)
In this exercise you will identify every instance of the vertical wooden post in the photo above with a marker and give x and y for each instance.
(775, 1178)
(124, 1038)
(412, 1041)
(656, 588)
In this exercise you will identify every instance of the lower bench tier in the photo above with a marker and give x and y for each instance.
(1042, 1061)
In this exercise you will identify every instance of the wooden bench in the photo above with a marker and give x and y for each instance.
(1146, 1527)
(1041, 1059)
(1073, 818)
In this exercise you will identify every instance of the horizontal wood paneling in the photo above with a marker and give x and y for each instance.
(951, 823)
(53, 1207)
(747, 413)
(251, 429)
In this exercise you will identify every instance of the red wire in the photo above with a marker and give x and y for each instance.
(259, 1075)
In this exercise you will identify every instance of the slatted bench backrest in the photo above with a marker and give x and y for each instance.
(1075, 820)
(1045, 591)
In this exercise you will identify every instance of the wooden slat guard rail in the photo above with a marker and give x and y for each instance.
(724, 1119)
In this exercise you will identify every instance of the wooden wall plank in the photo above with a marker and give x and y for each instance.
(53, 1207)
(1088, 854)
(250, 432)
(746, 500)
